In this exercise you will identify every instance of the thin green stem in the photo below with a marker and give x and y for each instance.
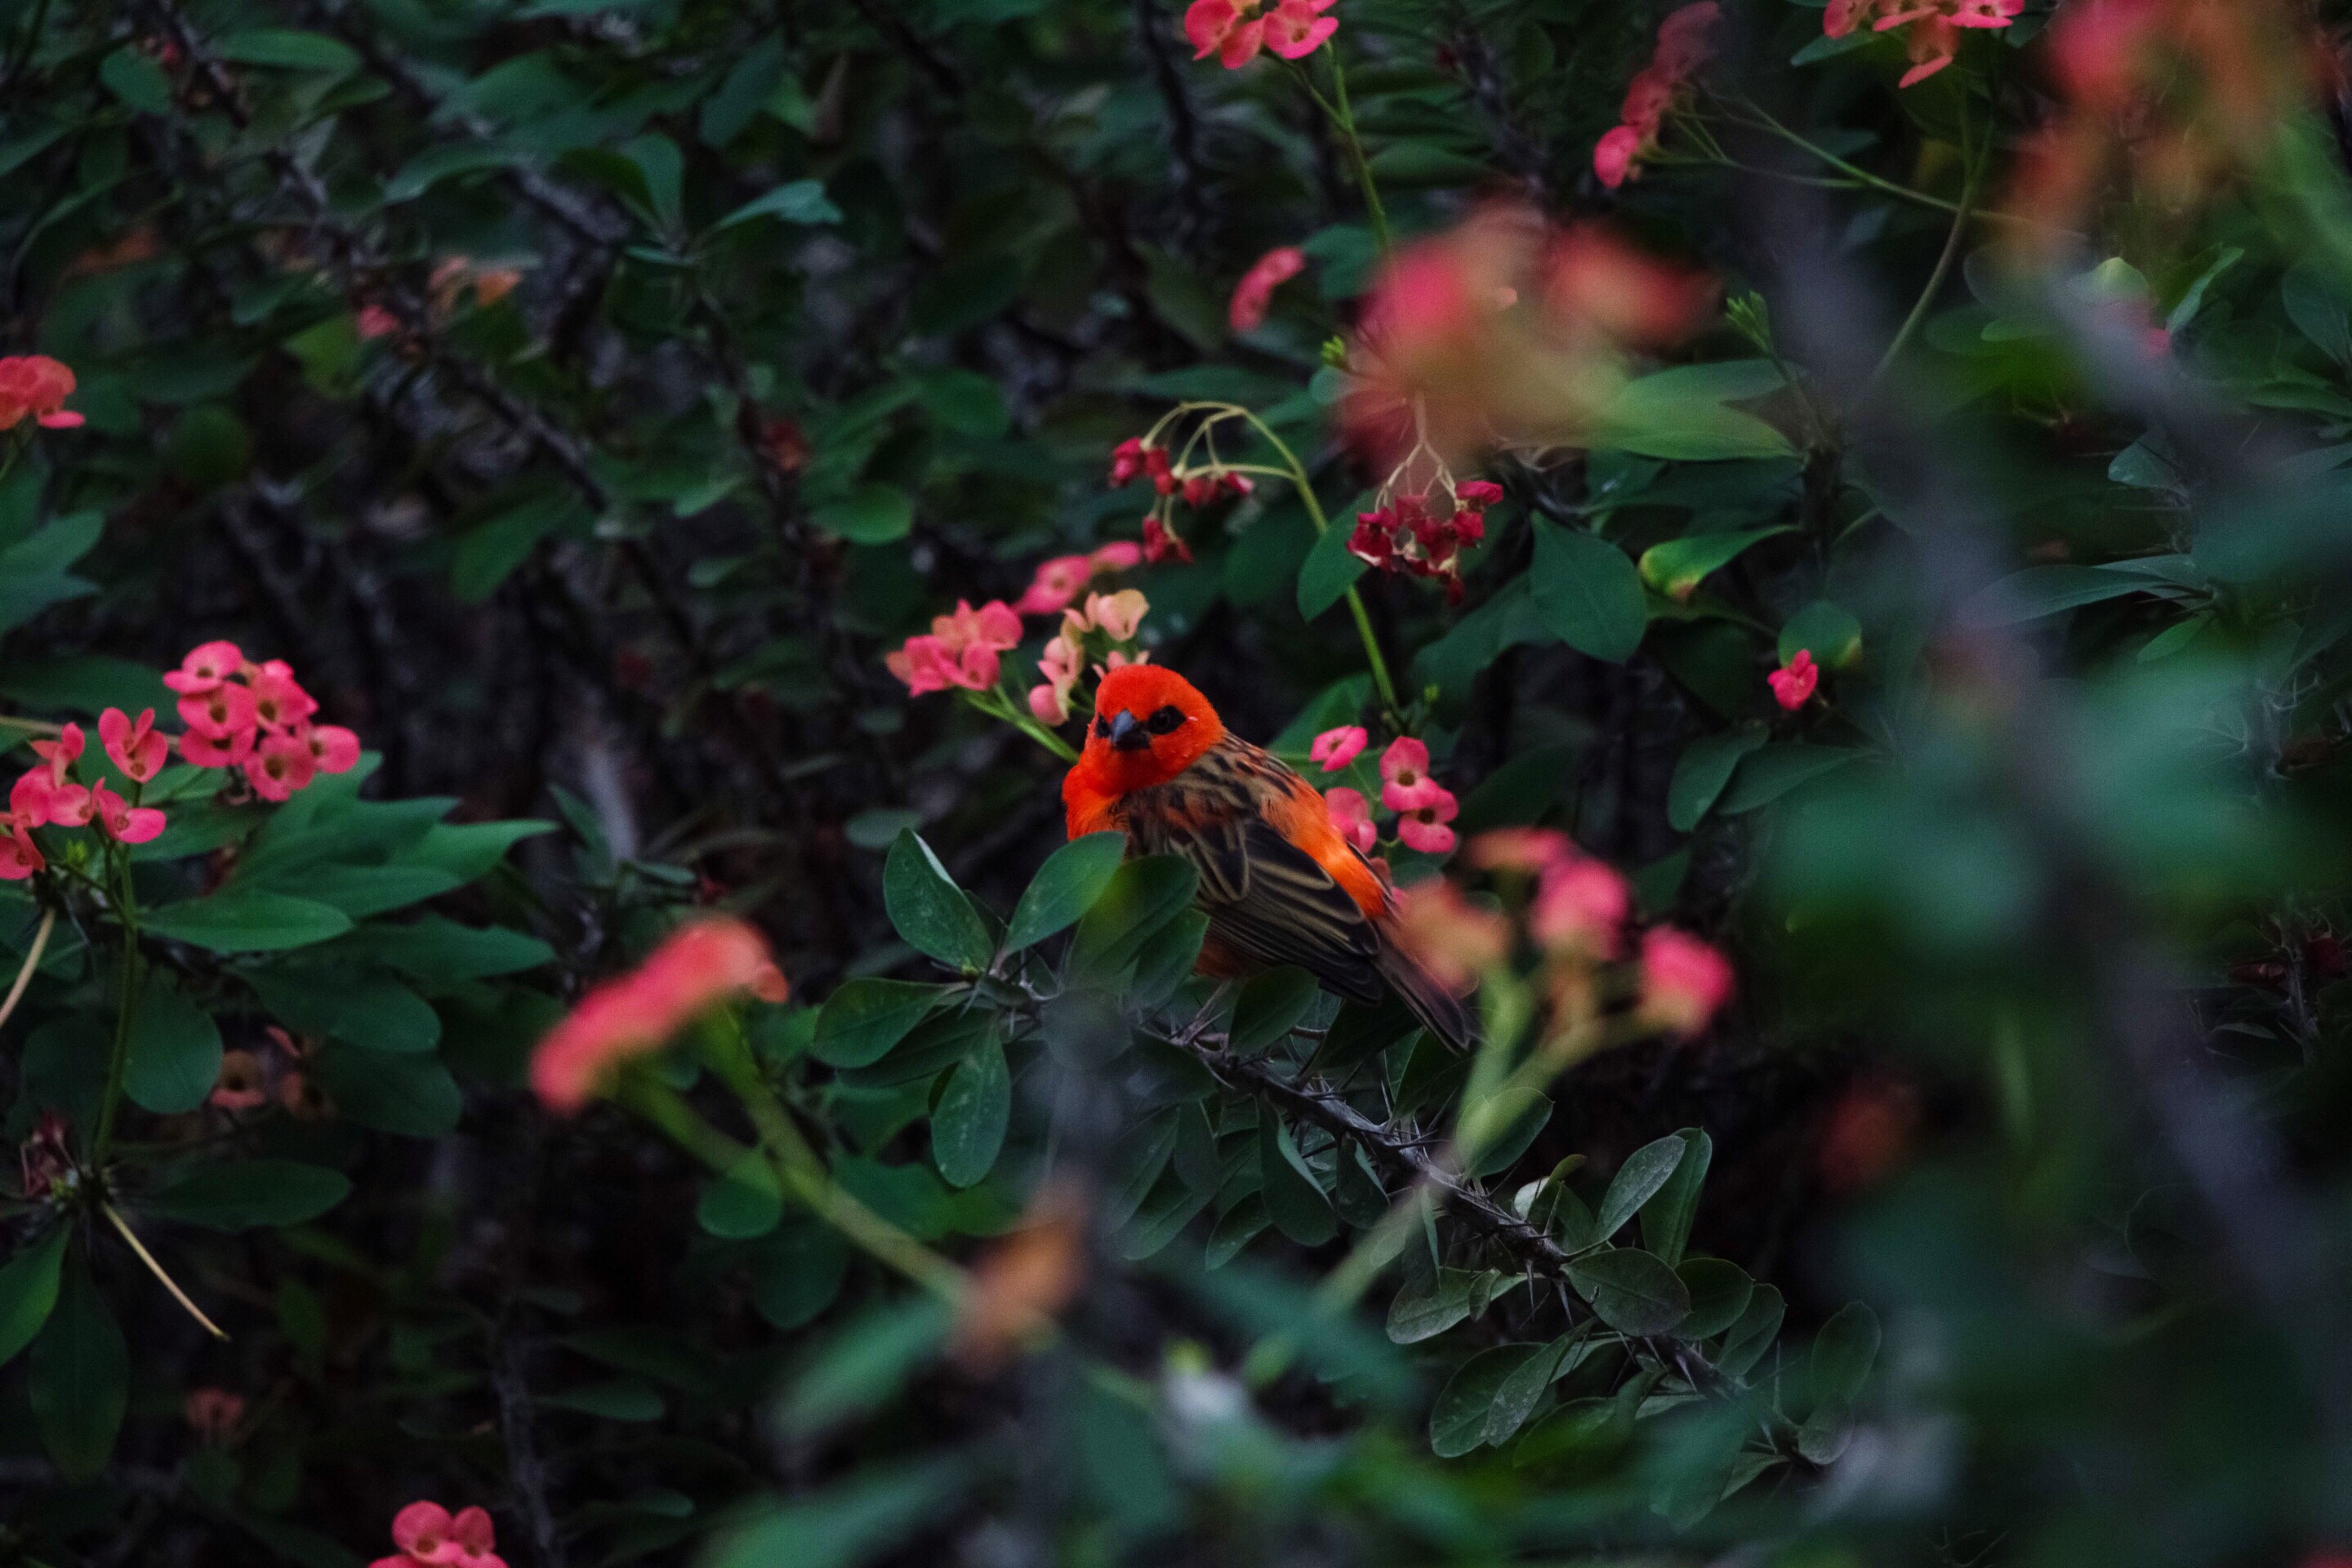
(996, 705)
(1758, 118)
(1943, 270)
(126, 914)
(1346, 120)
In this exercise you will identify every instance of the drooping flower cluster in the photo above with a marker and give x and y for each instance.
(429, 1536)
(1403, 535)
(695, 968)
(1199, 484)
(1098, 635)
(253, 717)
(1793, 682)
(1254, 292)
(39, 385)
(1060, 582)
(1424, 807)
(1234, 30)
(962, 649)
(1936, 26)
(1683, 47)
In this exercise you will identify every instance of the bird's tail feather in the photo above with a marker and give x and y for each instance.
(1431, 1001)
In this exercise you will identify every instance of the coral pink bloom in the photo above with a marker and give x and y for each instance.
(1119, 616)
(1422, 828)
(1935, 44)
(241, 1086)
(223, 751)
(39, 385)
(60, 753)
(1299, 28)
(36, 800)
(1047, 705)
(136, 748)
(334, 748)
(278, 700)
(1592, 277)
(219, 713)
(375, 321)
(122, 821)
(1577, 907)
(1524, 850)
(1683, 42)
(1254, 292)
(19, 857)
(1057, 582)
(1845, 15)
(1647, 98)
(1457, 939)
(1118, 556)
(1404, 776)
(1683, 981)
(206, 668)
(1335, 749)
(427, 1536)
(1226, 29)
(279, 766)
(1351, 814)
(1792, 685)
(926, 664)
(1986, 13)
(994, 625)
(699, 966)
(1614, 155)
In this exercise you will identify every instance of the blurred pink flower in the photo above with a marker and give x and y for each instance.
(205, 667)
(1793, 684)
(695, 968)
(1226, 29)
(1254, 292)
(428, 1537)
(1057, 582)
(1578, 907)
(122, 821)
(1683, 981)
(1335, 749)
(1351, 814)
(1299, 28)
(1520, 848)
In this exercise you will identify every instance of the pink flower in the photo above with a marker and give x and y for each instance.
(1986, 13)
(1843, 15)
(279, 766)
(136, 748)
(1057, 582)
(375, 321)
(1406, 783)
(1683, 981)
(219, 713)
(429, 1537)
(19, 857)
(333, 748)
(1935, 44)
(1794, 683)
(241, 1086)
(1335, 749)
(1592, 275)
(1226, 29)
(1046, 706)
(1523, 849)
(1422, 827)
(212, 1414)
(39, 385)
(1351, 814)
(1118, 615)
(1577, 907)
(926, 664)
(61, 752)
(278, 700)
(994, 625)
(1060, 664)
(1683, 42)
(1299, 28)
(1118, 556)
(1647, 98)
(1614, 155)
(1159, 542)
(1457, 939)
(206, 668)
(695, 968)
(1254, 292)
(36, 800)
(224, 751)
(122, 821)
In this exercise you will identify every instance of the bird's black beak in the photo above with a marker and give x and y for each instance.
(1127, 734)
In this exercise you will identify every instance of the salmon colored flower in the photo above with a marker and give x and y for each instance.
(1406, 783)
(1578, 907)
(375, 321)
(1229, 29)
(1683, 981)
(1793, 683)
(695, 969)
(1117, 616)
(60, 753)
(1614, 155)
(1523, 849)
(1061, 664)
(1422, 827)
(1335, 749)
(279, 766)
(122, 821)
(333, 748)
(133, 746)
(242, 1084)
(1351, 814)
(429, 1537)
(1057, 582)
(1683, 47)
(960, 651)
(39, 385)
(19, 855)
(278, 700)
(205, 667)
(1296, 29)
(1254, 292)
(221, 726)
(37, 800)
(1118, 556)
(1454, 939)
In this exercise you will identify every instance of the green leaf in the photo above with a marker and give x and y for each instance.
(860, 1022)
(331, 1001)
(1843, 1352)
(621, 1399)
(81, 1379)
(1423, 1311)
(744, 1203)
(1301, 1210)
(411, 1095)
(1143, 895)
(1457, 1422)
(963, 400)
(1676, 567)
(287, 49)
(852, 1522)
(1587, 593)
(1166, 1210)
(2316, 306)
(1329, 570)
(2039, 591)
(968, 1128)
(1268, 1007)
(1777, 770)
(1516, 1396)
(1753, 1334)
(1638, 1180)
(1680, 414)
(1718, 1291)
(1827, 631)
(1065, 888)
(1632, 1291)
(800, 202)
(1235, 1228)
(244, 1194)
(798, 1273)
(28, 1290)
(137, 80)
(859, 1367)
(870, 514)
(442, 161)
(248, 920)
(174, 1053)
(929, 909)
(1703, 769)
(1169, 957)
(440, 952)
(1667, 1217)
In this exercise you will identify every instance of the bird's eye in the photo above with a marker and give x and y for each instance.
(1102, 726)
(1165, 722)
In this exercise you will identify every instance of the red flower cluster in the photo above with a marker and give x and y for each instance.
(960, 650)
(695, 969)
(1683, 47)
(1405, 536)
(1934, 36)
(39, 385)
(1131, 459)
(46, 797)
(1233, 31)
(1424, 807)
(429, 1537)
(256, 717)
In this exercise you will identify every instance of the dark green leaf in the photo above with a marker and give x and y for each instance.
(929, 909)
(870, 514)
(413, 1095)
(745, 1203)
(800, 202)
(287, 49)
(1681, 414)
(1329, 571)
(175, 1054)
(247, 919)
(81, 1379)
(242, 1195)
(1587, 593)
(137, 80)
(1423, 1311)
(860, 1022)
(1773, 771)
(1827, 631)
(1843, 1352)
(1143, 896)
(797, 1274)
(1065, 888)
(1268, 1007)
(1638, 1180)
(1300, 1209)
(1706, 765)
(1667, 1217)
(1522, 1386)
(28, 1290)
(1632, 1291)
(968, 1128)
(860, 1365)
(1458, 1421)
(1719, 1292)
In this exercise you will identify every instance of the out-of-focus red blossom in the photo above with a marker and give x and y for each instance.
(783, 443)
(1351, 814)
(695, 968)
(1023, 1280)
(1868, 1132)
(429, 1536)
(1159, 542)
(1335, 749)
(1793, 683)
(375, 321)
(1593, 275)
(42, 1160)
(1254, 292)
(1683, 981)
(39, 385)
(1407, 536)
(960, 650)
(212, 1414)
(1580, 906)
(242, 1084)
(19, 855)
(1521, 849)
(1456, 940)
(1684, 45)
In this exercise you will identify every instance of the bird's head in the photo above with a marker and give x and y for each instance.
(1150, 725)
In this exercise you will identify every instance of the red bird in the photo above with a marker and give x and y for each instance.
(1278, 881)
